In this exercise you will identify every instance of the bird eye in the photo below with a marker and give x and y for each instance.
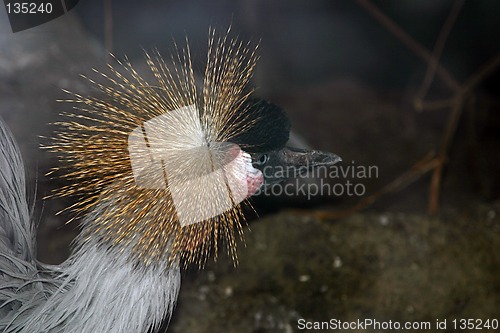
(262, 159)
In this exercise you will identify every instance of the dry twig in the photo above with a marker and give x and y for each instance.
(409, 41)
(460, 93)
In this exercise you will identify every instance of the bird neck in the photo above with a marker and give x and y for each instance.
(102, 290)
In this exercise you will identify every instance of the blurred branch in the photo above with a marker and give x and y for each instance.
(434, 105)
(455, 103)
(409, 41)
(487, 69)
(438, 49)
(452, 124)
(447, 138)
(431, 162)
(420, 168)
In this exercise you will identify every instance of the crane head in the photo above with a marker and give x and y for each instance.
(266, 142)
(163, 170)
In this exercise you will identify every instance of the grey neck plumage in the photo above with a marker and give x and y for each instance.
(95, 290)
(98, 289)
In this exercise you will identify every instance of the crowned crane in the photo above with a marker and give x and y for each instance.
(160, 172)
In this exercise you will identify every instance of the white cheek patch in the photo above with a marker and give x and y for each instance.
(254, 177)
(170, 152)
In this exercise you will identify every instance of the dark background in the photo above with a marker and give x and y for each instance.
(349, 86)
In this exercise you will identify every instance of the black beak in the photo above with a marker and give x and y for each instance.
(282, 164)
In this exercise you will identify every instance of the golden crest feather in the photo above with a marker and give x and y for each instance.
(92, 146)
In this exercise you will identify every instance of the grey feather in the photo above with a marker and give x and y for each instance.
(98, 289)
(17, 236)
